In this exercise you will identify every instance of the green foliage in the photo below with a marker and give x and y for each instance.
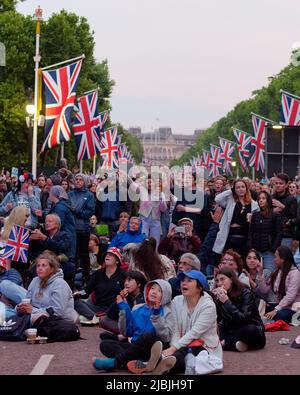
(133, 144)
(265, 101)
(64, 36)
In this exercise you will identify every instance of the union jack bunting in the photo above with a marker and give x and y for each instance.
(86, 127)
(227, 151)
(60, 91)
(215, 161)
(103, 117)
(205, 159)
(258, 141)
(243, 139)
(290, 110)
(110, 142)
(17, 244)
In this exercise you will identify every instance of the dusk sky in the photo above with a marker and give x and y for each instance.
(184, 63)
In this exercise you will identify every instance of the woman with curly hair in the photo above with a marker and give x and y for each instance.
(233, 261)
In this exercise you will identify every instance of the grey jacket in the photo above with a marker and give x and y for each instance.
(57, 294)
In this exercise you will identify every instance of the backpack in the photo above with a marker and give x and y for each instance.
(14, 328)
(56, 329)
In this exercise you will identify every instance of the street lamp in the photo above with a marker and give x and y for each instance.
(30, 109)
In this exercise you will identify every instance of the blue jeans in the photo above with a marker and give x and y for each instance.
(268, 260)
(151, 228)
(13, 292)
(297, 258)
(284, 314)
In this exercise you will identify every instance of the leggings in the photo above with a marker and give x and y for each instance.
(124, 352)
(252, 335)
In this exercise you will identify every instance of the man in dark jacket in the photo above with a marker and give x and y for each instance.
(286, 205)
(83, 207)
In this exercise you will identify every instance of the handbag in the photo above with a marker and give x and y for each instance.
(14, 328)
(206, 363)
(56, 329)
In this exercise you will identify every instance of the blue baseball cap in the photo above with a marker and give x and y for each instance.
(195, 275)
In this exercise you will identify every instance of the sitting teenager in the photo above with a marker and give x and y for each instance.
(103, 286)
(47, 290)
(133, 234)
(240, 325)
(194, 327)
(146, 324)
(176, 242)
(187, 263)
(233, 261)
(150, 263)
(133, 293)
(284, 282)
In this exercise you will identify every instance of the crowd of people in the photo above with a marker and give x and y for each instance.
(162, 277)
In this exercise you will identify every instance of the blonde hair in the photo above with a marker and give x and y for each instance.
(18, 216)
(53, 263)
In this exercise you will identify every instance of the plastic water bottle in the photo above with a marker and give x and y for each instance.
(2, 313)
(189, 363)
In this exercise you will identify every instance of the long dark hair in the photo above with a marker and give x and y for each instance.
(266, 211)
(148, 261)
(236, 286)
(288, 261)
(257, 254)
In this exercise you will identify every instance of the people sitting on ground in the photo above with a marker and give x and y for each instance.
(194, 327)
(133, 234)
(233, 261)
(47, 290)
(23, 195)
(103, 287)
(234, 225)
(57, 241)
(187, 263)
(150, 263)
(145, 325)
(179, 240)
(9, 274)
(284, 282)
(240, 325)
(121, 225)
(265, 230)
(133, 293)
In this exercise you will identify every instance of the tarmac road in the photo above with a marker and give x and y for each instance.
(74, 358)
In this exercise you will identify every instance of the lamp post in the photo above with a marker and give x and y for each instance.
(30, 110)
(234, 164)
(37, 59)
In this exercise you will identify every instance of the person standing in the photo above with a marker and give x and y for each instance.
(83, 207)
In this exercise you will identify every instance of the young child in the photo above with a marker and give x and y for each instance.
(145, 325)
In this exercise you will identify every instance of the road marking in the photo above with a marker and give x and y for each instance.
(42, 365)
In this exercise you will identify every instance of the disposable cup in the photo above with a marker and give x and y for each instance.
(26, 301)
(31, 333)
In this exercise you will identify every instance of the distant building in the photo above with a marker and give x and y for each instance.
(162, 146)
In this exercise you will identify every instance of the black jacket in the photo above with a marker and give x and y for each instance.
(238, 312)
(265, 233)
(113, 310)
(289, 212)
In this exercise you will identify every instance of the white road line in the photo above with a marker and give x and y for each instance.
(42, 365)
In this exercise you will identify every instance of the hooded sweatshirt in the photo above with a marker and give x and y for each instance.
(124, 238)
(83, 206)
(145, 319)
(57, 294)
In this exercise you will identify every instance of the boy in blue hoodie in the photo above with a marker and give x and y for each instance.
(147, 325)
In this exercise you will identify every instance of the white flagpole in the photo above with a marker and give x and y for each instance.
(94, 164)
(62, 150)
(253, 174)
(64, 62)
(37, 59)
(265, 119)
(81, 166)
(289, 94)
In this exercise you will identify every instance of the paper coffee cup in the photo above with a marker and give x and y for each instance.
(26, 301)
(31, 333)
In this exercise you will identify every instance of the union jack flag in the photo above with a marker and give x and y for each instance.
(215, 161)
(103, 117)
(110, 142)
(205, 159)
(60, 91)
(244, 139)
(259, 128)
(86, 127)
(227, 151)
(123, 153)
(290, 110)
(17, 244)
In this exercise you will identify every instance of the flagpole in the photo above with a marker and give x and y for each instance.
(81, 166)
(94, 165)
(265, 119)
(37, 59)
(62, 151)
(253, 174)
(290, 94)
(64, 62)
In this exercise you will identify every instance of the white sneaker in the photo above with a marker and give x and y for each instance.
(241, 346)
(85, 321)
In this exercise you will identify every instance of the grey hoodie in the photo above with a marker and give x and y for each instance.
(57, 294)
